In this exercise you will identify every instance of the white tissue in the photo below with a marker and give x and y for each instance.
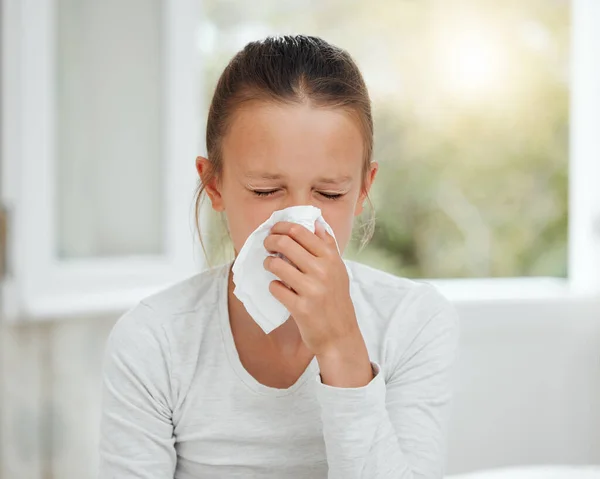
(250, 277)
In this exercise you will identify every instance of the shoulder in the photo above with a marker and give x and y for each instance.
(191, 294)
(387, 293)
(164, 317)
(157, 341)
(398, 313)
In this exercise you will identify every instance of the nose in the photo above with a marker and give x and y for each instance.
(299, 198)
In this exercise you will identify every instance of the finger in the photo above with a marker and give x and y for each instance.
(283, 294)
(287, 273)
(322, 233)
(288, 247)
(310, 242)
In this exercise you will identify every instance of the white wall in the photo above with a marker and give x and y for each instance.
(528, 390)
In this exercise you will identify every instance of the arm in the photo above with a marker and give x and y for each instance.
(136, 435)
(374, 428)
(395, 429)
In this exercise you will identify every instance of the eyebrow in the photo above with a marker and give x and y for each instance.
(324, 180)
(259, 175)
(335, 181)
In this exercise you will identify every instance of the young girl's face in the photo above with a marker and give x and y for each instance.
(276, 156)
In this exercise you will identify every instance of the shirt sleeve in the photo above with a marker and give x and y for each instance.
(136, 433)
(396, 428)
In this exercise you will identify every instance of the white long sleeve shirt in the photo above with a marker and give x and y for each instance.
(178, 402)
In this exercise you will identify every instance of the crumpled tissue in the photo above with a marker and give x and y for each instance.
(250, 277)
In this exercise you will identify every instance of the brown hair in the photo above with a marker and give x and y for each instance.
(287, 69)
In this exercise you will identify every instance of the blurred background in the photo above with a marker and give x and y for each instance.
(470, 103)
(104, 106)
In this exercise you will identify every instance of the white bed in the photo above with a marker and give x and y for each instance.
(534, 472)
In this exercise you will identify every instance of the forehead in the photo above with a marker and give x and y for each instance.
(293, 139)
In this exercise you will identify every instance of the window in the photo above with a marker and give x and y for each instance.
(109, 111)
(486, 132)
(100, 128)
(471, 111)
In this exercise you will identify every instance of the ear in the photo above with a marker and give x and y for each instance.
(211, 183)
(366, 187)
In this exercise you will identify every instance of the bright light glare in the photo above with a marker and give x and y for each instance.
(471, 62)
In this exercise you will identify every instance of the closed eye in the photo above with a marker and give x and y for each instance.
(264, 192)
(331, 196)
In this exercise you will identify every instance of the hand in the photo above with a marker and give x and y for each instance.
(318, 297)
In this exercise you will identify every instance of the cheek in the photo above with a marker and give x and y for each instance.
(341, 219)
(244, 217)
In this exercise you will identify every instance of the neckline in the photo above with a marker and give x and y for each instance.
(234, 358)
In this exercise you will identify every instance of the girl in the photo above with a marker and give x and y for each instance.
(355, 384)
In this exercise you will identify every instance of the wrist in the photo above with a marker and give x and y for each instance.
(346, 364)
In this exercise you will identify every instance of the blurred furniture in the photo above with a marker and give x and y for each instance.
(528, 385)
(540, 472)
